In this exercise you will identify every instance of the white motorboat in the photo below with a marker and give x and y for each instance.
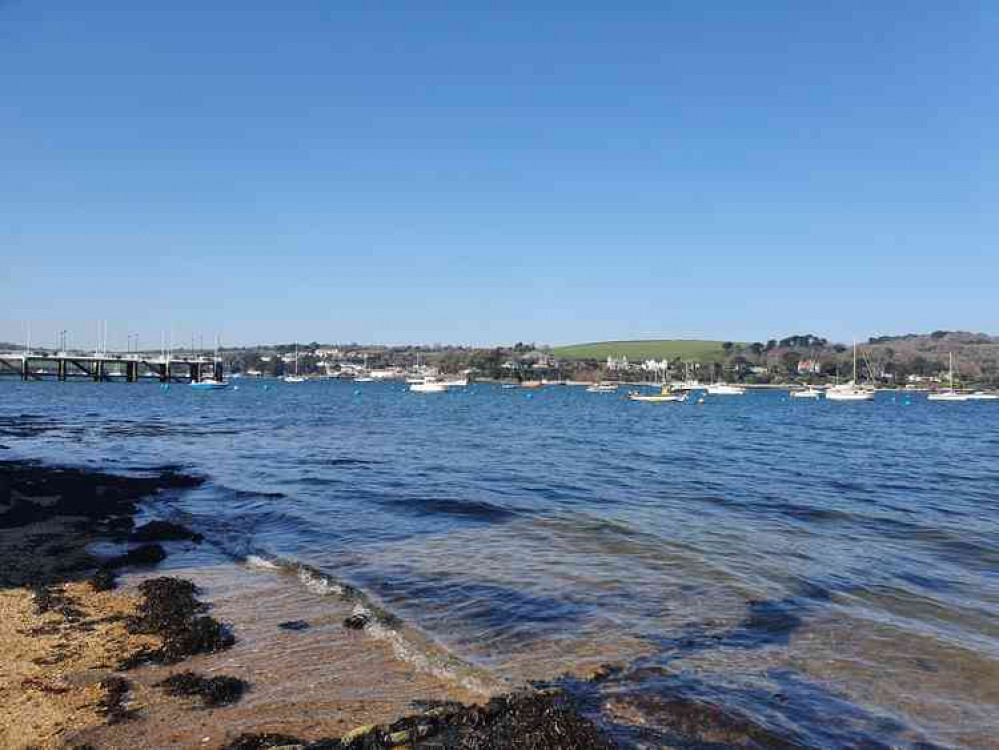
(456, 382)
(666, 395)
(209, 384)
(365, 379)
(602, 388)
(809, 392)
(983, 396)
(950, 394)
(428, 385)
(725, 389)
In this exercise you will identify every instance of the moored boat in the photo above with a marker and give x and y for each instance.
(428, 385)
(603, 388)
(725, 389)
(665, 395)
(809, 392)
(209, 384)
(950, 394)
(850, 391)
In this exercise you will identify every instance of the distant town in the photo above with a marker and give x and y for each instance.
(912, 360)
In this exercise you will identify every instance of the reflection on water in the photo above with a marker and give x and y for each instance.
(793, 561)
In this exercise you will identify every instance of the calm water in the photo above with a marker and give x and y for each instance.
(829, 569)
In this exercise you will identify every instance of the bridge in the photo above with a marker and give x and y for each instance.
(130, 368)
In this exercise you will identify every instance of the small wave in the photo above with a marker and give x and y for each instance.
(255, 561)
(407, 644)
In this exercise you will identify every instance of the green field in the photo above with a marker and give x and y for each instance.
(636, 351)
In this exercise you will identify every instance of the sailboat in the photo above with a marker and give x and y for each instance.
(296, 378)
(212, 383)
(950, 394)
(850, 391)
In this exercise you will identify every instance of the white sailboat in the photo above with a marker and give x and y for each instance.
(212, 383)
(296, 378)
(850, 391)
(950, 394)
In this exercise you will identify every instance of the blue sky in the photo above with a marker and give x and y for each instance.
(493, 172)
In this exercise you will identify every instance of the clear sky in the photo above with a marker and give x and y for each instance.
(476, 172)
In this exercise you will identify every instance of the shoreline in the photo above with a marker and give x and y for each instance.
(231, 657)
(87, 664)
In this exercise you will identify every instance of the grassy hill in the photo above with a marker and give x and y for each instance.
(636, 351)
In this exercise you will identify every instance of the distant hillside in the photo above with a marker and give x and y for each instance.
(636, 351)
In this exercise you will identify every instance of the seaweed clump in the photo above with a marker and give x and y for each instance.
(112, 704)
(213, 691)
(171, 610)
(262, 741)
(544, 720)
(55, 599)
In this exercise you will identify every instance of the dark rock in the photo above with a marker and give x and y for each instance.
(146, 555)
(213, 691)
(356, 621)
(164, 531)
(294, 625)
(104, 580)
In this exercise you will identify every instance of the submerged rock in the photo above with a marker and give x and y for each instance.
(146, 555)
(165, 531)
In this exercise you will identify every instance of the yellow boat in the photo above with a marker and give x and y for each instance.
(664, 396)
